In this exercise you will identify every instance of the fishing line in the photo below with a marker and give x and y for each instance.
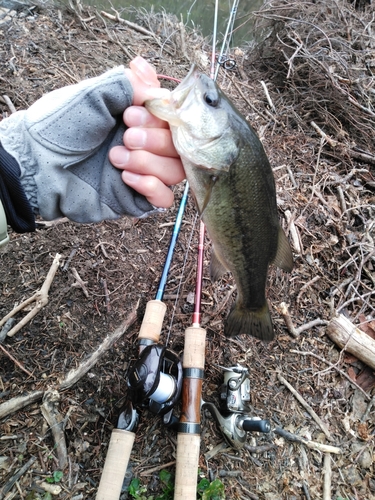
(182, 275)
(226, 39)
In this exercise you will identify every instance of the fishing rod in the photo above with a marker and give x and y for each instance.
(156, 358)
(155, 380)
(189, 427)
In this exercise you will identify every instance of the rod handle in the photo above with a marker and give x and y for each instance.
(187, 458)
(116, 463)
(152, 321)
(188, 438)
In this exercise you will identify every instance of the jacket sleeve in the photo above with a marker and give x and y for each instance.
(61, 144)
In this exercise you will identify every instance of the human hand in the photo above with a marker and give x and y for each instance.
(148, 158)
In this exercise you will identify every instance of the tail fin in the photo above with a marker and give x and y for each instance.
(256, 323)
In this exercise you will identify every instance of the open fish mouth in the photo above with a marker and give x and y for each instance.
(180, 93)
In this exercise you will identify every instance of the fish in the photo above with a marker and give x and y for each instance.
(234, 189)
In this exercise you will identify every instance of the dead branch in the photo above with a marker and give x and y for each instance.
(350, 338)
(17, 403)
(307, 407)
(313, 445)
(75, 375)
(50, 412)
(131, 25)
(79, 282)
(20, 365)
(9, 103)
(295, 332)
(40, 298)
(9, 484)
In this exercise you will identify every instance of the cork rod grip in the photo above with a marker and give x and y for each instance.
(188, 439)
(152, 321)
(116, 463)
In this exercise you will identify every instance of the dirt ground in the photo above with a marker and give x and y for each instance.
(326, 198)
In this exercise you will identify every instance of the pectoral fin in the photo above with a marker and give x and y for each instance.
(217, 268)
(206, 200)
(284, 257)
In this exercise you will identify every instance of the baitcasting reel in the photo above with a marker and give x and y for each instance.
(155, 379)
(233, 419)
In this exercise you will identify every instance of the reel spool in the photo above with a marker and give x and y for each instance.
(155, 379)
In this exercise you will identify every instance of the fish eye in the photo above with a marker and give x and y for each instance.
(211, 100)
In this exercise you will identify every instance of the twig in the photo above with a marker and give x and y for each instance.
(306, 286)
(327, 472)
(264, 86)
(306, 492)
(79, 282)
(6, 328)
(20, 365)
(259, 449)
(341, 199)
(149, 472)
(74, 375)
(52, 223)
(9, 103)
(307, 407)
(40, 298)
(9, 484)
(50, 412)
(313, 445)
(70, 258)
(309, 353)
(295, 332)
(17, 403)
(368, 409)
(296, 239)
(131, 25)
(330, 141)
(103, 282)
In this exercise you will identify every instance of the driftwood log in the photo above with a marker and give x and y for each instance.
(350, 338)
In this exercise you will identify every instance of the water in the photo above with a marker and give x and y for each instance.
(195, 14)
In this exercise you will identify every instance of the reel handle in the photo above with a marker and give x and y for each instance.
(188, 438)
(252, 425)
(116, 463)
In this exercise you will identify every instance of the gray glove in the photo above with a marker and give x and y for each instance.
(61, 144)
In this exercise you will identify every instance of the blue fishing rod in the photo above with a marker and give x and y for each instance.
(154, 381)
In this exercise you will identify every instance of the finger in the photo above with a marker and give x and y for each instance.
(169, 170)
(144, 71)
(157, 140)
(138, 116)
(155, 191)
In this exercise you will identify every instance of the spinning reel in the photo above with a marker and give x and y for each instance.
(233, 418)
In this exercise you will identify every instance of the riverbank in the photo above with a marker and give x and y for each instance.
(307, 88)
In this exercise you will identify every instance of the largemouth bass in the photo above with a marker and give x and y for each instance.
(233, 185)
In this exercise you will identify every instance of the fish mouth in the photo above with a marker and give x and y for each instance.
(180, 93)
(167, 108)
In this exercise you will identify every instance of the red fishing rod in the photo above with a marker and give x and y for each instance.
(189, 427)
